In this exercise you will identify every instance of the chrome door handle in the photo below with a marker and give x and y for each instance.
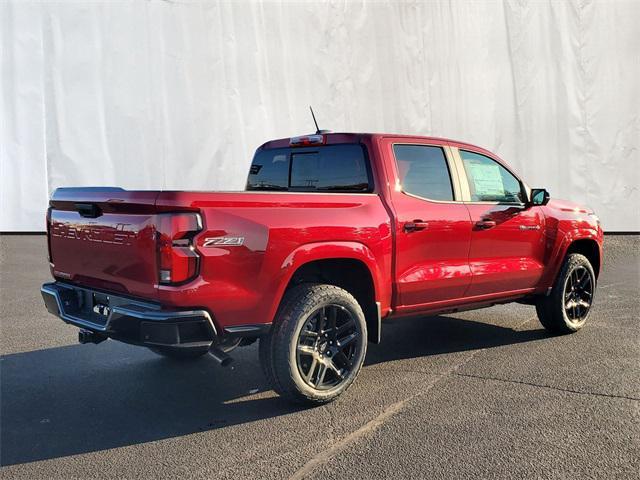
(529, 227)
(415, 226)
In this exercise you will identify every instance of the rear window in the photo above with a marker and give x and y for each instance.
(330, 168)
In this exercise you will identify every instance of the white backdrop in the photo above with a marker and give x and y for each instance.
(178, 94)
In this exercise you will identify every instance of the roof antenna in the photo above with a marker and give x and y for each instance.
(318, 131)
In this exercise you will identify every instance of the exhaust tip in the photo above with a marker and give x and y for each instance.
(222, 358)
(226, 362)
(87, 336)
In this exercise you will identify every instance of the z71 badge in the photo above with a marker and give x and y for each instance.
(226, 241)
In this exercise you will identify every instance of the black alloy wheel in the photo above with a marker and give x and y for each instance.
(567, 306)
(317, 344)
(327, 346)
(578, 293)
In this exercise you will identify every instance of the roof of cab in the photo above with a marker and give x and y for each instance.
(342, 137)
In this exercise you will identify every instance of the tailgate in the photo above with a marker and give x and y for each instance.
(104, 238)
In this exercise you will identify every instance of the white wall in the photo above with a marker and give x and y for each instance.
(177, 94)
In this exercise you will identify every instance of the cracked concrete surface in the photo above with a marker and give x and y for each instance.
(495, 379)
(471, 395)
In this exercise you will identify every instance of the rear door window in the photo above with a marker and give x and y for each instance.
(424, 172)
(330, 168)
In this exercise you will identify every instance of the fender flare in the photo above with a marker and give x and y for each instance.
(562, 244)
(311, 252)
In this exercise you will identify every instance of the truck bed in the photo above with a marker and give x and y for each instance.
(248, 243)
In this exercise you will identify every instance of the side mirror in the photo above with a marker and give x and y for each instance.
(539, 196)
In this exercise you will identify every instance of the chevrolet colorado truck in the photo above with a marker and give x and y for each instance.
(334, 233)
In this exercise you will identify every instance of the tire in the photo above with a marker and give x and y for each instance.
(180, 354)
(317, 344)
(566, 310)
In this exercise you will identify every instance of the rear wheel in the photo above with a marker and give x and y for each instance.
(317, 345)
(568, 306)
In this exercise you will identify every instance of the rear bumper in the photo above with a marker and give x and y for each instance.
(128, 320)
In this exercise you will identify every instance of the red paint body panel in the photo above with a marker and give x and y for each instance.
(432, 264)
(448, 264)
(115, 251)
(566, 222)
(282, 231)
(509, 256)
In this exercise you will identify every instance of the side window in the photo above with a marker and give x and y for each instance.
(489, 181)
(423, 171)
(269, 170)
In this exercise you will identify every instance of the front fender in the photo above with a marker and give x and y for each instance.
(563, 241)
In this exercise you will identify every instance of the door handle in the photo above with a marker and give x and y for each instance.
(415, 226)
(485, 224)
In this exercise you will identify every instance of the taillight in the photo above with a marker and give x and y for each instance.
(49, 235)
(177, 257)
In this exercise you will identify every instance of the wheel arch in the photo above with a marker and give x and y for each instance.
(589, 248)
(586, 242)
(348, 265)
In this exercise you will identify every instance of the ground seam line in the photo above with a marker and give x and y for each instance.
(550, 387)
(372, 425)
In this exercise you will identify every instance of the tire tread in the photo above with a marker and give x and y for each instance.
(550, 309)
(276, 362)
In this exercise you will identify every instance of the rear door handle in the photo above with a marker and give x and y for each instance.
(484, 224)
(415, 226)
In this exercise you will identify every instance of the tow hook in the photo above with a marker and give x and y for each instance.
(221, 357)
(87, 336)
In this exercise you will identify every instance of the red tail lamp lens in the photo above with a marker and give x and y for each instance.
(177, 257)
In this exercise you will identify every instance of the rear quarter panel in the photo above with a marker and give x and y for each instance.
(244, 284)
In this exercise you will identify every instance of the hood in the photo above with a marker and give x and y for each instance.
(570, 207)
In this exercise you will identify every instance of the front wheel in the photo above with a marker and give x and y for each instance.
(568, 306)
(317, 344)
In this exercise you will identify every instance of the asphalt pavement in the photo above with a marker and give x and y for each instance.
(484, 394)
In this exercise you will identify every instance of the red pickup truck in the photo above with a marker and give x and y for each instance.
(334, 233)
